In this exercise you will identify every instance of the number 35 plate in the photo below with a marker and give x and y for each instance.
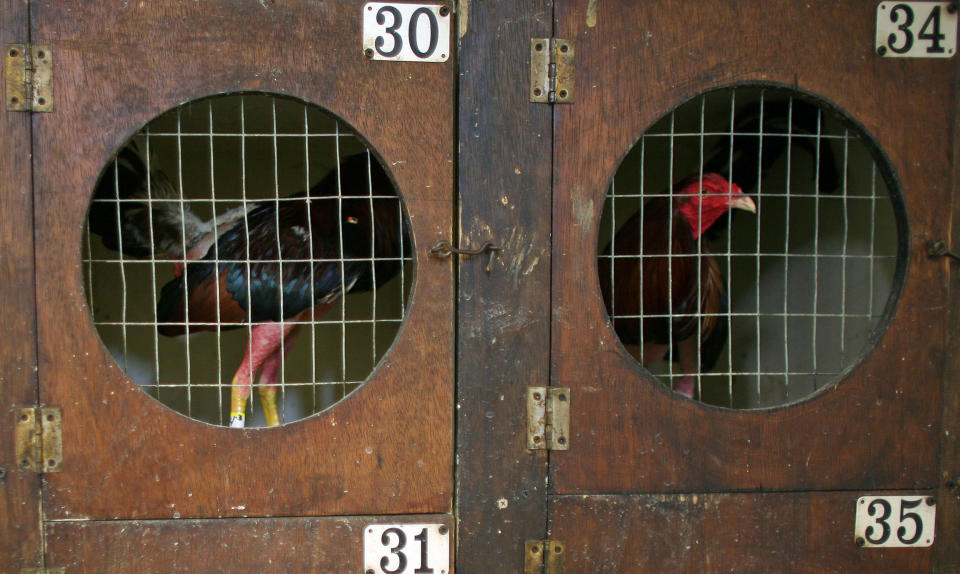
(406, 549)
(898, 521)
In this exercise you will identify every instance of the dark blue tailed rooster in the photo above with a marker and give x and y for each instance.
(273, 265)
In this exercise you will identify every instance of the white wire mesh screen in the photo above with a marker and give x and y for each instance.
(246, 160)
(777, 298)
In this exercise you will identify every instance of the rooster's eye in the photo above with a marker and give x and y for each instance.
(352, 219)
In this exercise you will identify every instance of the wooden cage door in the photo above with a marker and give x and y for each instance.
(653, 482)
(300, 493)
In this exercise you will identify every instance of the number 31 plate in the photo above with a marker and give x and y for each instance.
(406, 549)
(406, 32)
(905, 521)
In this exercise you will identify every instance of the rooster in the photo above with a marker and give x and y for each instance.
(272, 265)
(669, 291)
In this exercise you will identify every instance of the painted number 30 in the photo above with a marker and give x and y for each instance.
(391, 45)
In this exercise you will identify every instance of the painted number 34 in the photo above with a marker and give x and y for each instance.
(916, 30)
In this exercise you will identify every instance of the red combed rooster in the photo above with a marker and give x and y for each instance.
(668, 292)
(271, 265)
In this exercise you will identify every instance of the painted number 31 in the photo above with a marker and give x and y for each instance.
(916, 29)
(406, 549)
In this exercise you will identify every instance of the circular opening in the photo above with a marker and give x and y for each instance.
(752, 247)
(213, 193)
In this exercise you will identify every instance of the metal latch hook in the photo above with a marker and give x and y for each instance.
(939, 249)
(444, 249)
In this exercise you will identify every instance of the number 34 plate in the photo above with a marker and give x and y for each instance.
(406, 549)
(904, 521)
(916, 29)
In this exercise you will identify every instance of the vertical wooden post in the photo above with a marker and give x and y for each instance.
(504, 175)
(19, 491)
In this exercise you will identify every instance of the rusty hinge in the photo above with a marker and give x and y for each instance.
(548, 418)
(551, 70)
(37, 436)
(28, 74)
(543, 557)
(43, 571)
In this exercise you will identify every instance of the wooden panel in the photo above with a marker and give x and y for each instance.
(280, 545)
(879, 427)
(19, 491)
(387, 447)
(947, 557)
(795, 533)
(503, 343)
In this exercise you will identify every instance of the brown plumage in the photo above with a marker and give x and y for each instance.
(667, 288)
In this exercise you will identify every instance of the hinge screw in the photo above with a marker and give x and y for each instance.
(14, 53)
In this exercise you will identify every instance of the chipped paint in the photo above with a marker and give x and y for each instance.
(592, 13)
(463, 10)
(583, 210)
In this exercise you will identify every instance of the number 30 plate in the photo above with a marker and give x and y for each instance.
(895, 521)
(406, 32)
(406, 549)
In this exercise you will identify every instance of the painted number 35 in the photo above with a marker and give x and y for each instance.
(406, 32)
(916, 30)
(895, 521)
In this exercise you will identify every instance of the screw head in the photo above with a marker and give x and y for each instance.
(442, 530)
(882, 50)
(444, 11)
(930, 501)
(368, 52)
(860, 541)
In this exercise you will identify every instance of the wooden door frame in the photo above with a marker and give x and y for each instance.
(20, 535)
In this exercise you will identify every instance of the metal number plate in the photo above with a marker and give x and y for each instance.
(406, 32)
(916, 30)
(898, 521)
(406, 549)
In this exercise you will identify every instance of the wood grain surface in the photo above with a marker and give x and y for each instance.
(773, 533)
(19, 491)
(503, 316)
(877, 428)
(387, 448)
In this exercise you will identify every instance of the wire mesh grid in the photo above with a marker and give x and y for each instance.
(222, 228)
(773, 301)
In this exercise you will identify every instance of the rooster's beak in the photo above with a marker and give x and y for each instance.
(743, 202)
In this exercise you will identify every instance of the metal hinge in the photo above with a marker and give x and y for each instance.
(28, 73)
(551, 70)
(548, 418)
(43, 571)
(37, 436)
(543, 557)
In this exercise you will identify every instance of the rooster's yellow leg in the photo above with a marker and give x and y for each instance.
(268, 396)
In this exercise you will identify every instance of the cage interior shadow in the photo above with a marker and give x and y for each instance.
(764, 305)
(247, 241)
